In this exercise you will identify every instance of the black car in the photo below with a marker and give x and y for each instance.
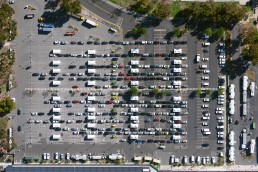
(150, 141)
(35, 74)
(60, 78)
(19, 111)
(42, 78)
(104, 43)
(19, 128)
(72, 66)
(96, 43)
(73, 42)
(66, 55)
(51, 78)
(90, 42)
(80, 43)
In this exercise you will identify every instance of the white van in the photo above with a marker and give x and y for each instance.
(198, 159)
(205, 84)
(203, 66)
(205, 118)
(205, 129)
(205, 44)
(207, 133)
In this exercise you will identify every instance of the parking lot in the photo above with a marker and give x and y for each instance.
(75, 90)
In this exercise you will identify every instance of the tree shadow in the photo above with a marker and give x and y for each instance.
(149, 22)
(192, 95)
(51, 5)
(117, 12)
(58, 17)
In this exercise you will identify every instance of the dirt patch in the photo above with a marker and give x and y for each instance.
(251, 75)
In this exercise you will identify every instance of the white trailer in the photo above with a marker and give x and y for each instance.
(56, 118)
(176, 110)
(135, 51)
(91, 125)
(177, 118)
(252, 88)
(92, 62)
(177, 70)
(90, 118)
(177, 83)
(134, 62)
(134, 98)
(177, 62)
(252, 146)
(134, 70)
(56, 98)
(56, 83)
(134, 125)
(134, 118)
(91, 109)
(56, 125)
(56, 62)
(134, 137)
(90, 137)
(56, 51)
(177, 98)
(134, 83)
(177, 126)
(56, 71)
(245, 83)
(56, 110)
(91, 52)
(244, 96)
(244, 108)
(176, 137)
(177, 51)
(95, 157)
(91, 98)
(91, 70)
(134, 109)
(56, 136)
(92, 23)
(91, 83)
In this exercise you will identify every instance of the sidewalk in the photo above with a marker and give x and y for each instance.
(211, 168)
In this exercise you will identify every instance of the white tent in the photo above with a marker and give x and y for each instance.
(56, 98)
(134, 62)
(135, 51)
(56, 136)
(91, 109)
(91, 52)
(91, 83)
(134, 70)
(91, 62)
(56, 83)
(56, 71)
(56, 125)
(91, 70)
(56, 51)
(56, 62)
(134, 83)
(56, 110)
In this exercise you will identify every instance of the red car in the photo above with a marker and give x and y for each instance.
(76, 101)
(121, 74)
(133, 78)
(75, 86)
(109, 102)
(156, 119)
(127, 78)
(84, 93)
(120, 66)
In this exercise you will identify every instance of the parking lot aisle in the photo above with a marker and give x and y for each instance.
(199, 136)
(159, 35)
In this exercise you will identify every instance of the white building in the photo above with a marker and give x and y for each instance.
(56, 71)
(56, 62)
(56, 83)
(91, 52)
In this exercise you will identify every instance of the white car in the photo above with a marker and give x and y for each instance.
(206, 99)
(165, 79)
(205, 106)
(220, 118)
(68, 156)
(207, 114)
(205, 124)
(78, 114)
(183, 58)
(48, 156)
(183, 122)
(220, 109)
(56, 156)
(184, 65)
(205, 78)
(198, 57)
(205, 59)
(57, 42)
(206, 71)
(220, 141)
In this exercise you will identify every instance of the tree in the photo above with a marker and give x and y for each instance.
(198, 91)
(141, 6)
(250, 36)
(208, 31)
(138, 31)
(134, 91)
(220, 91)
(219, 33)
(176, 32)
(163, 10)
(70, 6)
(251, 53)
(154, 91)
(208, 91)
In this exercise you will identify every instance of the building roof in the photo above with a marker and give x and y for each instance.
(74, 168)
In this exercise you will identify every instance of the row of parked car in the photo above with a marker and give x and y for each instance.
(192, 160)
(119, 42)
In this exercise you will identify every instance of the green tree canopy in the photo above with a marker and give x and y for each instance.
(7, 105)
(250, 36)
(219, 33)
(141, 6)
(134, 91)
(154, 91)
(71, 6)
(251, 53)
(198, 91)
(208, 31)
(220, 91)
(163, 10)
